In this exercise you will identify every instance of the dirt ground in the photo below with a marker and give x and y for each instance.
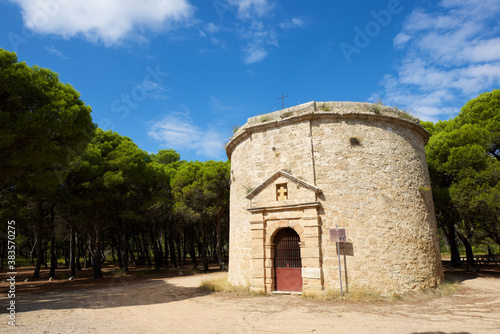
(157, 303)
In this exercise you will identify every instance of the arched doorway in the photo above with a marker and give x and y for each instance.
(287, 260)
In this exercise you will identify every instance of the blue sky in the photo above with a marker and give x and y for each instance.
(181, 73)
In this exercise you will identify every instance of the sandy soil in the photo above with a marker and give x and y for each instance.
(177, 305)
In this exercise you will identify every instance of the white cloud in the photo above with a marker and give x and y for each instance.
(292, 23)
(212, 28)
(153, 89)
(254, 53)
(401, 39)
(54, 51)
(450, 55)
(109, 21)
(217, 107)
(259, 37)
(254, 27)
(176, 130)
(252, 8)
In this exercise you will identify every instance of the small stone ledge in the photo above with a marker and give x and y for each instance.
(285, 207)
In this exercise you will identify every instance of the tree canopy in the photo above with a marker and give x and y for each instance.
(464, 163)
(43, 122)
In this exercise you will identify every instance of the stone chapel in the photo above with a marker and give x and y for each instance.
(300, 172)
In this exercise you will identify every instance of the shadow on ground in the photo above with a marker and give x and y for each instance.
(461, 274)
(143, 286)
(119, 295)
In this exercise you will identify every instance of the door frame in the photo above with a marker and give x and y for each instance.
(295, 272)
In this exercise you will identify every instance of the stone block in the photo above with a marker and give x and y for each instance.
(311, 273)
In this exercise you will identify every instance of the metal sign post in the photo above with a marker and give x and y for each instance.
(338, 236)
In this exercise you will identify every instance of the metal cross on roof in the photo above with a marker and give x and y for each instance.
(282, 98)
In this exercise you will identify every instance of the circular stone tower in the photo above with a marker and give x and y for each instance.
(300, 172)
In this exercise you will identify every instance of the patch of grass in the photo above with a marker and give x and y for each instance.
(354, 295)
(265, 119)
(325, 108)
(406, 115)
(116, 273)
(286, 114)
(361, 295)
(222, 285)
(376, 110)
(447, 288)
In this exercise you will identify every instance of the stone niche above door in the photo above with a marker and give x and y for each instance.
(282, 189)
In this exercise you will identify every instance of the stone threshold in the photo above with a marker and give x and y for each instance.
(286, 293)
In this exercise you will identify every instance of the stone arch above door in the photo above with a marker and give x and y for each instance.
(274, 226)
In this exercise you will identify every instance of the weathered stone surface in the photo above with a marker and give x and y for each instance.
(358, 166)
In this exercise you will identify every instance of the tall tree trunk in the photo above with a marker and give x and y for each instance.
(39, 249)
(160, 249)
(172, 249)
(192, 251)
(53, 256)
(72, 249)
(132, 257)
(157, 252)
(202, 248)
(116, 242)
(65, 250)
(32, 258)
(96, 258)
(78, 253)
(184, 249)
(178, 249)
(218, 247)
(44, 251)
(448, 227)
(84, 254)
(203, 253)
(136, 242)
(165, 240)
(145, 248)
(468, 250)
(125, 249)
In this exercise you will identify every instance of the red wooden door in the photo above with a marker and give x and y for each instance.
(287, 262)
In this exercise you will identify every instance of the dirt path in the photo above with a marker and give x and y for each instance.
(177, 305)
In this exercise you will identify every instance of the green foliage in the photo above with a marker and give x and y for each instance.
(484, 111)
(44, 124)
(166, 157)
(464, 165)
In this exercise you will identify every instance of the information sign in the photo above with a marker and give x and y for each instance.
(337, 235)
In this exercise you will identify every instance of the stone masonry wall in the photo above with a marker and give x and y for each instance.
(368, 162)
